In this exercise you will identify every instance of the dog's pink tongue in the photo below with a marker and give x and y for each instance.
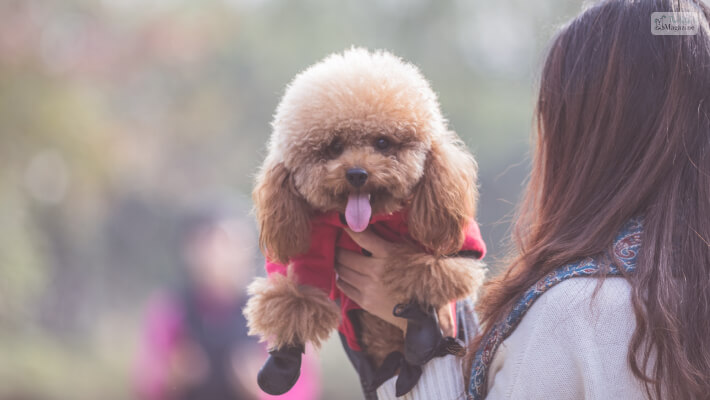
(358, 211)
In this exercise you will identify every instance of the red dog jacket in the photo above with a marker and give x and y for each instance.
(316, 267)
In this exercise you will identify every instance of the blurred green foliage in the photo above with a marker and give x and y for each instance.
(117, 116)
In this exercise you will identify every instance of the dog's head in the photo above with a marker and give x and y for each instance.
(361, 133)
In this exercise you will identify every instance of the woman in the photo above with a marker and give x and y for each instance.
(607, 294)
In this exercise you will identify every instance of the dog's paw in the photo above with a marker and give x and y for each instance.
(287, 314)
(433, 280)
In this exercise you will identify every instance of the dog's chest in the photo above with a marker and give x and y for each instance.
(391, 227)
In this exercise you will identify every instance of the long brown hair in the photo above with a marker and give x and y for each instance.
(623, 129)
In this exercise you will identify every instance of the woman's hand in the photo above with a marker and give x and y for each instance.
(359, 276)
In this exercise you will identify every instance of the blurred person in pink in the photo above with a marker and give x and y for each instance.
(195, 344)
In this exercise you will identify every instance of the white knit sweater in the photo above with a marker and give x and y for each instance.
(571, 344)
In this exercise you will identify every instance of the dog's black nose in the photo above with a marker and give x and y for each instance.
(356, 176)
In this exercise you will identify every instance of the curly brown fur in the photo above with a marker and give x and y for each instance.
(379, 338)
(432, 280)
(445, 198)
(285, 313)
(330, 120)
(278, 205)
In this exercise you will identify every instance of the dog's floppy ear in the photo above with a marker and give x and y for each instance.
(282, 214)
(445, 198)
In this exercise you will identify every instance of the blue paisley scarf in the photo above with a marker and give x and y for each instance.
(626, 247)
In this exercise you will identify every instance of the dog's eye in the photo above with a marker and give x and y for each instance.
(382, 144)
(335, 148)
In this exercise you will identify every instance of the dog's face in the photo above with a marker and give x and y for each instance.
(359, 170)
(361, 133)
(355, 132)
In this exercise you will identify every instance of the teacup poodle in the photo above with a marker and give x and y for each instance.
(359, 141)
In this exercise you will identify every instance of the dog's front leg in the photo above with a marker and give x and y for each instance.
(425, 284)
(432, 280)
(287, 315)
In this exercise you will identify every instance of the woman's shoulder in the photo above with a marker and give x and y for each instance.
(575, 335)
(586, 295)
(582, 309)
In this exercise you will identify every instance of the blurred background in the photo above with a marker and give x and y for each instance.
(119, 118)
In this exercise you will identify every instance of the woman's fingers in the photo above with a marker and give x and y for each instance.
(349, 290)
(369, 241)
(363, 264)
(352, 277)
